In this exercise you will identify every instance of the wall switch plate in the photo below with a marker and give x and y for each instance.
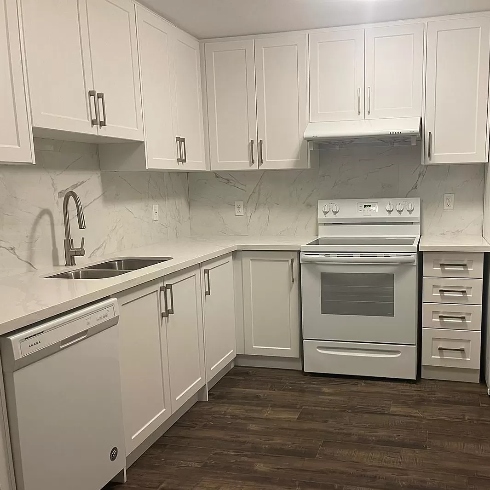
(239, 209)
(448, 201)
(154, 212)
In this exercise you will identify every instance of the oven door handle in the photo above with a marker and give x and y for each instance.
(322, 259)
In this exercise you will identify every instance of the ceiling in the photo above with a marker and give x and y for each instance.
(220, 18)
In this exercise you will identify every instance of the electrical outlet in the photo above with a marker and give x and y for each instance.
(239, 209)
(154, 212)
(448, 201)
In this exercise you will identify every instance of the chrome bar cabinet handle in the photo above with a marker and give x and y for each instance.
(292, 271)
(429, 150)
(451, 349)
(358, 101)
(163, 293)
(92, 97)
(207, 283)
(252, 158)
(453, 291)
(261, 152)
(169, 288)
(179, 149)
(184, 157)
(102, 122)
(369, 100)
(452, 317)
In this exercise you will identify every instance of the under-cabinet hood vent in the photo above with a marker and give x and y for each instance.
(375, 132)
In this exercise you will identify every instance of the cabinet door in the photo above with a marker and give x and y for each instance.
(183, 310)
(144, 367)
(394, 71)
(337, 75)
(58, 64)
(188, 100)
(112, 28)
(271, 303)
(154, 44)
(15, 133)
(219, 314)
(230, 74)
(282, 101)
(457, 91)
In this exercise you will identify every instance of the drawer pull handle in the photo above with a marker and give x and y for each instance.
(452, 349)
(453, 291)
(452, 317)
(454, 266)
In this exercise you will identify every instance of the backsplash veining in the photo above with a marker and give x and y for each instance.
(284, 202)
(117, 207)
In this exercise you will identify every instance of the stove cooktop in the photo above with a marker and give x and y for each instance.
(363, 244)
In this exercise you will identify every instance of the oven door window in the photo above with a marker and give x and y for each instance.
(358, 294)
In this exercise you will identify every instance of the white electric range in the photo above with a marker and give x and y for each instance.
(360, 289)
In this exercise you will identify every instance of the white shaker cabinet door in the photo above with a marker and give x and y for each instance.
(282, 101)
(230, 73)
(15, 134)
(188, 100)
(154, 42)
(112, 28)
(217, 281)
(144, 366)
(457, 91)
(58, 64)
(182, 309)
(271, 310)
(394, 71)
(337, 75)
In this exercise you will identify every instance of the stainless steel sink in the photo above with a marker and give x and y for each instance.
(110, 268)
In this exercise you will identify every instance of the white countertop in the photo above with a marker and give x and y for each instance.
(443, 243)
(30, 298)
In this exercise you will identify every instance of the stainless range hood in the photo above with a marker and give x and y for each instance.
(393, 132)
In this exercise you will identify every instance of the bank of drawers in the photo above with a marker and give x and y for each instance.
(452, 314)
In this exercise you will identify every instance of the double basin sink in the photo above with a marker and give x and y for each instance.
(111, 268)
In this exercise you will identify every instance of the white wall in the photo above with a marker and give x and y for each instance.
(284, 202)
(117, 207)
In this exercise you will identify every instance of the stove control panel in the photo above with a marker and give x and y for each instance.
(384, 210)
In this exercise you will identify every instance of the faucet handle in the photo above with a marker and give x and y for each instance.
(79, 252)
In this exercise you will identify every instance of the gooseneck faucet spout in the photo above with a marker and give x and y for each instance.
(70, 251)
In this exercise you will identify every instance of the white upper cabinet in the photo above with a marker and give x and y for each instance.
(394, 71)
(15, 134)
(188, 101)
(257, 99)
(456, 129)
(230, 74)
(112, 29)
(337, 75)
(59, 85)
(282, 101)
(155, 42)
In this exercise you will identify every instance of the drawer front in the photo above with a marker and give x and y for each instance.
(451, 348)
(452, 317)
(456, 291)
(453, 265)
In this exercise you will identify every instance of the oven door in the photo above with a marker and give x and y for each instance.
(360, 297)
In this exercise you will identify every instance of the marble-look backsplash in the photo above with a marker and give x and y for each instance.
(284, 202)
(117, 207)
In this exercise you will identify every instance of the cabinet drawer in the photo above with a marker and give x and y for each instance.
(451, 348)
(456, 291)
(452, 317)
(453, 265)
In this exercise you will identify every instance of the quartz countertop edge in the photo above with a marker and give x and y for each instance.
(447, 243)
(30, 298)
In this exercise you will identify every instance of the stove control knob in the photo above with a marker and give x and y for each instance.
(410, 207)
(400, 207)
(389, 207)
(335, 209)
(326, 209)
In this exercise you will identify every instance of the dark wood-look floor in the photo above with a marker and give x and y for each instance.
(273, 429)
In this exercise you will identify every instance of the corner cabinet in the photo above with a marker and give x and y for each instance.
(182, 313)
(257, 97)
(218, 298)
(271, 310)
(92, 86)
(456, 127)
(15, 133)
(367, 73)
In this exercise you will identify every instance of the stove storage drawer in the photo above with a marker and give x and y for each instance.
(451, 348)
(452, 290)
(468, 265)
(451, 316)
(351, 358)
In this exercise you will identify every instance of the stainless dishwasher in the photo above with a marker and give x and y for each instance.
(63, 390)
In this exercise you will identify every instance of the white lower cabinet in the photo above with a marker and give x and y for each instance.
(144, 367)
(271, 312)
(218, 298)
(182, 311)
